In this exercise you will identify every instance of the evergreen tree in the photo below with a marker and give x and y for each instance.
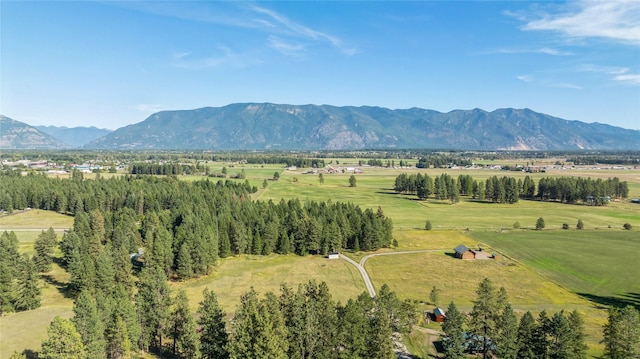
(89, 325)
(580, 225)
(63, 341)
(44, 245)
(97, 230)
(454, 340)
(577, 346)
(213, 334)
(353, 327)
(484, 316)
(622, 334)
(352, 181)
(184, 262)
(118, 341)
(380, 343)
(541, 336)
(560, 337)
(124, 308)
(105, 274)
(526, 340)
(153, 302)
(253, 334)
(28, 288)
(182, 328)
(7, 287)
(540, 223)
(506, 339)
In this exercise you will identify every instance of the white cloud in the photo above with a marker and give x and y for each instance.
(301, 30)
(148, 107)
(617, 20)
(633, 79)
(524, 78)
(285, 47)
(565, 86)
(618, 73)
(542, 50)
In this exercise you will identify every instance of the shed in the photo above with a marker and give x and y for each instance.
(438, 313)
(463, 252)
(333, 255)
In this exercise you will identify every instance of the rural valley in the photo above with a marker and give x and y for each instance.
(252, 229)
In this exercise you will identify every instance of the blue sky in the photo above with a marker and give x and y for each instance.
(113, 63)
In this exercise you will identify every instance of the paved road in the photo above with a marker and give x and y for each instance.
(365, 275)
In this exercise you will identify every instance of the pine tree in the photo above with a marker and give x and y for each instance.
(253, 333)
(184, 262)
(124, 308)
(28, 288)
(541, 335)
(44, 245)
(89, 325)
(577, 347)
(380, 342)
(484, 315)
(63, 341)
(118, 343)
(213, 334)
(182, 328)
(7, 287)
(454, 340)
(153, 301)
(526, 341)
(506, 339)
(560, 337)
(622, 334)
(353, 327)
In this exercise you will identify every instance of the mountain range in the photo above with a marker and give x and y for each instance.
(75, 136)
(264, 126)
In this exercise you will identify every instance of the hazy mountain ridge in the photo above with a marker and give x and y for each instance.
(312, 127)
(18, 135)
(74, 136)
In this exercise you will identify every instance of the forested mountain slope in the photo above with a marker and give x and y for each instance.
(311, 127)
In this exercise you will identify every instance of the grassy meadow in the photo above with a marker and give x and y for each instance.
(540, 269)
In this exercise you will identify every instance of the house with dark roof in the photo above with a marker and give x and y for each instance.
(464, 252)
(438, 313)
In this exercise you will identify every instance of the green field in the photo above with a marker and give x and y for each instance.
(236, 275)
(599, 265)
(539, 269)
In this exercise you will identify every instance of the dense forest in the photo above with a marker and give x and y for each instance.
(192, 223)
(509, 190)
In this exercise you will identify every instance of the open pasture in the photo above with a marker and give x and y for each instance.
(413, 275)
(375, 188)
(234, 276)
(35, 219)
(599, 265)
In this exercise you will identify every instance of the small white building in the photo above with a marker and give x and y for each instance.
(333, 255)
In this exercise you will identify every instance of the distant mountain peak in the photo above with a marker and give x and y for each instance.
(18, 135)
(324, 127)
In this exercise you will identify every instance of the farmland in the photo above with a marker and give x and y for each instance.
(539, 269)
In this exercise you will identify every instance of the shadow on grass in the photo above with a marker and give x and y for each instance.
(63, 287)
(632, 299)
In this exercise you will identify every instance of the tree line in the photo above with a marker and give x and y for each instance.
(509, 190)
(166, 169)
(301, 323)
(191, 223)
(492, 329)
